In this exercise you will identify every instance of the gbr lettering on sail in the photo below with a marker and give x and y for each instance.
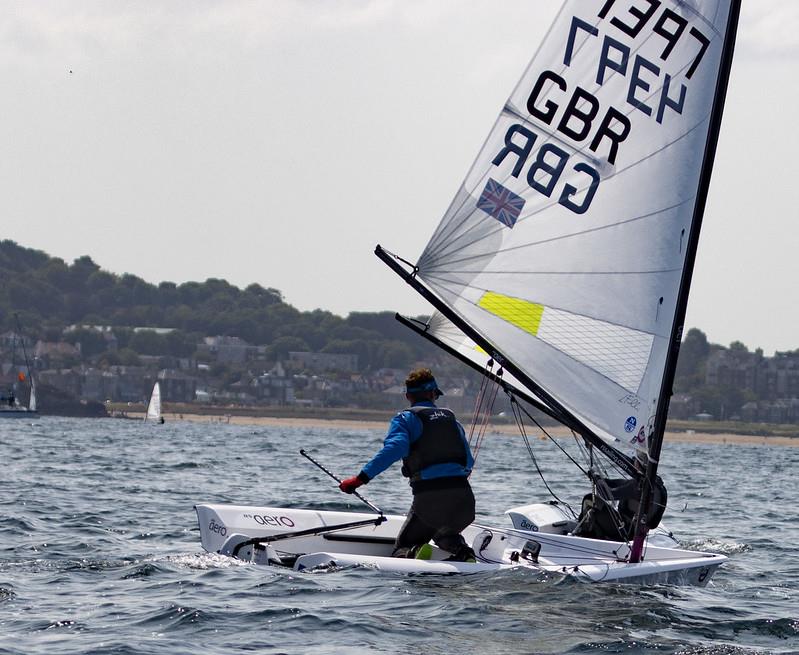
(570, 129)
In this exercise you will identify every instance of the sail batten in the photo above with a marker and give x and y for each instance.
(450, 250)
(645, 322)
(659, 271)
(452, 286)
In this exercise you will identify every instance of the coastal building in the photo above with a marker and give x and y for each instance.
(779, 376)
(49, 354)
(67, 380)
(99, 385)
(132, 384)
(275, 387)
(12, 340)
(227, 350)
(177, 386)
(322, 362)
(736, 368)
(105, 331)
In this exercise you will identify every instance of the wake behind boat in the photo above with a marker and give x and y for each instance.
(561, 272)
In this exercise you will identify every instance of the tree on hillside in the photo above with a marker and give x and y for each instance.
(690, 371)
(282, 346)
(91, 341)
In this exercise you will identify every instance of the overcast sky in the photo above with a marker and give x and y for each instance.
(277, 142)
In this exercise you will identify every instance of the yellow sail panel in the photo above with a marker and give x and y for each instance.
(524, 314)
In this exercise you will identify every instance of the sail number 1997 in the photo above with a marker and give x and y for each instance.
(577, 116)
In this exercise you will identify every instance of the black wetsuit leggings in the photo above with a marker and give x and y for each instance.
(437, 514)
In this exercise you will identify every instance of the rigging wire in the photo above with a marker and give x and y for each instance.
(478, 401)
(520, 409)
(516, 408)
(484, 404)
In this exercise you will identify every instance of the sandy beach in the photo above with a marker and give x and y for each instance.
(688, 436)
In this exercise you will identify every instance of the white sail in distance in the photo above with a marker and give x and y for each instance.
(565, 245)
(32, 401)
(154, 406)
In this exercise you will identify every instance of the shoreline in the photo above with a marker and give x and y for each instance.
(682, 436)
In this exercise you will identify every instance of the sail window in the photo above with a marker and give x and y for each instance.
(521, 313)
(619, 353)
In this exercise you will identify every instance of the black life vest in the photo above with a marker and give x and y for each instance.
(440, 443)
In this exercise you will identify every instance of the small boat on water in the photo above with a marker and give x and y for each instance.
(11, 408)
(10, 404)
(153, 413)
(561, 272)
(537, 538)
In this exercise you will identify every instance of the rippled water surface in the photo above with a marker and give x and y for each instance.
(100, 551)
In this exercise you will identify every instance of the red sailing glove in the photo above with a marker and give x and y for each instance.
(351, 484)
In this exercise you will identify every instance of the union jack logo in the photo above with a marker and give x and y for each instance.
(501, 203)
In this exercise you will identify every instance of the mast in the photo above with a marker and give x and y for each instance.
(664, 399)
(563, 415)
(13, 388)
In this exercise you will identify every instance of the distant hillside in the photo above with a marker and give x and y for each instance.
(50, 294)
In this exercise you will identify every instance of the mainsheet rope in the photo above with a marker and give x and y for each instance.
(517, 415)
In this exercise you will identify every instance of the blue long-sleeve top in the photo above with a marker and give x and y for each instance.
(405, 429)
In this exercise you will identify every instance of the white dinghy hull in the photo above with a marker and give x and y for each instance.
(223, 527)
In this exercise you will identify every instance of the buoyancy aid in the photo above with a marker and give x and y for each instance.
(440, 442)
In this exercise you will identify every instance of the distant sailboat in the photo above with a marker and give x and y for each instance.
(154, 406)
(10, 405)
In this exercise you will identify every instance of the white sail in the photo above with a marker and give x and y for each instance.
(32, 401)
(154, 406)
(565, 245)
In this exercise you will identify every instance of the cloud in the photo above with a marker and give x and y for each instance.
(35, 30)
(770, 27)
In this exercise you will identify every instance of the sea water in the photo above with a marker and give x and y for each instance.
(100, 550)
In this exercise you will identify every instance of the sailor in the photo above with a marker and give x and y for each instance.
(436, 458)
